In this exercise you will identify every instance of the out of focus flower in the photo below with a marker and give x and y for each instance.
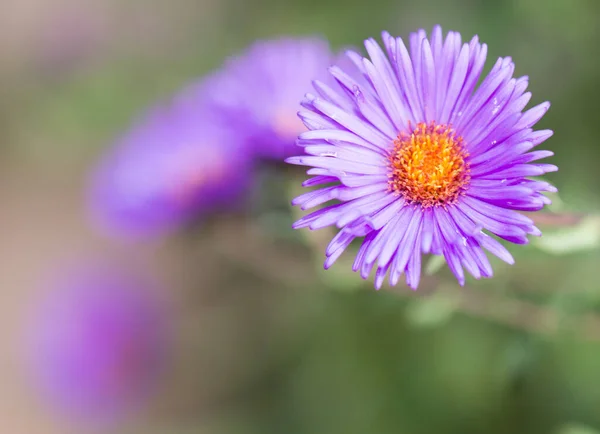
(178, 162)
(261, 89)
(420, 160)
(99, 343)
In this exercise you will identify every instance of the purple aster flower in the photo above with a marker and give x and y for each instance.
(420, 160)
(177, 162)
(262, 87)
(99, 342)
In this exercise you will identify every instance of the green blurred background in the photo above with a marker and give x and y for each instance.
(267, 342)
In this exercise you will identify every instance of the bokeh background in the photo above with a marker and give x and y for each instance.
(264, 340)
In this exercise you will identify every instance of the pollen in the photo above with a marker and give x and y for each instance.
(429, 167)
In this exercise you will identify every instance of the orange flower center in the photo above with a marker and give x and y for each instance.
(188, 179)
(428, 167)
(287, 125)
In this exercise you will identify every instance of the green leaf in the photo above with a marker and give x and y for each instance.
(434, 310)
(573, 428)
(278, 224)
(340, 276)
(434, 264)
(584, 236)
(557, 204)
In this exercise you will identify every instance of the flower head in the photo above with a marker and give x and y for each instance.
(99, 340)
(262, 87)
(420, 160)
(177, 162)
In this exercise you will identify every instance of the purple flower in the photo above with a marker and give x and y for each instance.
(179, 161)
(262, 87)
(99, 341)
(421, 161)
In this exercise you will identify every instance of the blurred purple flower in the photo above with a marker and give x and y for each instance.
(261, 89)
(100, 340)
(179, 161)
(422, 161)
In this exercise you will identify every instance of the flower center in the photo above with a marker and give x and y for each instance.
(287, 125)
(188, 178)
(428, 167)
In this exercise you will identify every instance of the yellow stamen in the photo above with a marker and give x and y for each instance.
(428, 167)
